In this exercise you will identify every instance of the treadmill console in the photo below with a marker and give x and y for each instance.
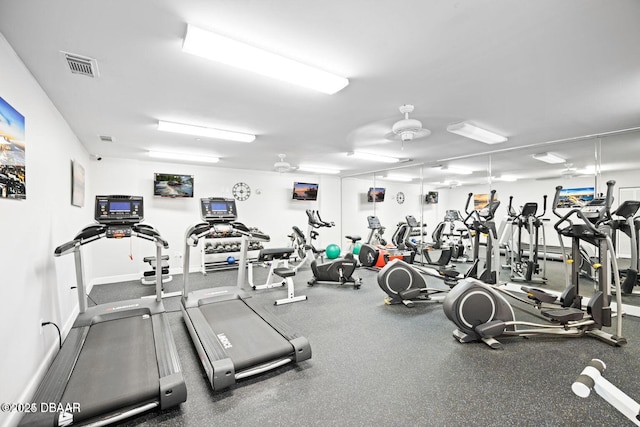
(123, 210)
(218, 209)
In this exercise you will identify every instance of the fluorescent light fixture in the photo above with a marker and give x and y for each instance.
(470, 131)
(505, 178)
(373, 157)
(208, 45)
(401, 178)
(183, 157)
(549, 158)
(456, 170)
(318, 169)
(204, 131)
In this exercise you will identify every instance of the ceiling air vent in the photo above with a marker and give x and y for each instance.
(81, 64)
(105, 138)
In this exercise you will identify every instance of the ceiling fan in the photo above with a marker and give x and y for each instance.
(408, 129)
(383, 131)
(568, 172)
(282, 166)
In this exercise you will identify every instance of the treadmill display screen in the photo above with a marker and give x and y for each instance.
(119, 209)
(217, 209)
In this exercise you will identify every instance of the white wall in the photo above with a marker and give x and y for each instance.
(34, 286)
(270, 208)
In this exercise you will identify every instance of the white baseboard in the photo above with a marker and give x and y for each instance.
(30, 390)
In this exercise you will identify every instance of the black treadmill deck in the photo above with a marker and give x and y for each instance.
(247, 339)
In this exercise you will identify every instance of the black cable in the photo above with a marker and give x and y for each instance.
(59, 334)
(88, 296)
(92, 300)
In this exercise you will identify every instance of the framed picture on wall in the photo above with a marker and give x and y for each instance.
(77, 184)
(13, 173)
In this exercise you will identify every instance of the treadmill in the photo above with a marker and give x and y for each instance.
(234, 337)
(119, 359)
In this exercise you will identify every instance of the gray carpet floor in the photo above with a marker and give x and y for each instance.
(375, 364)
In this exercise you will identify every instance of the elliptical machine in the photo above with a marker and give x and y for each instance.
(406, 283)
(482, 313)
(524, 268)
(480, 221)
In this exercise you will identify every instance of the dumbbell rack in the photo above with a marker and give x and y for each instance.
(216, 248)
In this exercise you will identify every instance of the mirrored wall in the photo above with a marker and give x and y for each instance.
(428, 190)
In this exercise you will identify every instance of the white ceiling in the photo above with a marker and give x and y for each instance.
(533, 70)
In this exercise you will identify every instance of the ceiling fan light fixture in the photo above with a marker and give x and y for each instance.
(205, 132)
(373, 157)
(206, 44)
(318, 169)
(409, 129)
(473, 132)
(281, 165)
(551, 158)
(197, 158)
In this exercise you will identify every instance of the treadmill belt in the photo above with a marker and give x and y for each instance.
(116, 368)
(248, 340)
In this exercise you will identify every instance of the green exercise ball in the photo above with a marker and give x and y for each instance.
(332, 251)
(356, 248)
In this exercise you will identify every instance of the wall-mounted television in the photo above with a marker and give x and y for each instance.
(171, 185)
(305, 191)
(481, 200)
(375, 194)
(431, 197)
(575, 197)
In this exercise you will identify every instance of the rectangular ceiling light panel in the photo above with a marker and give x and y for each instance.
(230, 52)
(318, 169)
(205, 132)
(183, 157)
(549, 158)
(373, 157)
(473, 132)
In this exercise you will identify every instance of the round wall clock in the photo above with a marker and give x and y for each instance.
(241, 191)
(400, 197)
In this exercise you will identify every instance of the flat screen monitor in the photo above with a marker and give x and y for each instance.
(305, 191)
(575, 197)
(431, 197)
(119, 209)
(481, 201)
(218, 209)
(375, 194)
(171, 185)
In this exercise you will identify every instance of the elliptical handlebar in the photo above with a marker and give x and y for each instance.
(491, 209)
(466, 206)
(605, 214)
(556, 199)
(512, 214)
(544, 207)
